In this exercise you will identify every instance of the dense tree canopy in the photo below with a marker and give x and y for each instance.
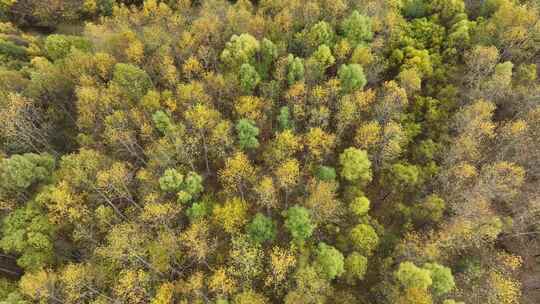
(270, 151)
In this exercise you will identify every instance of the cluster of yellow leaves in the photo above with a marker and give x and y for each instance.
(168, 71)
(285, 145)
(364, 99)
(368, 134)
(342, 49)
(196, 239)
(282, 262)
(74, 278)
(38, 285)
(362, 55)
(319, 95)
(115, 180)
(514, 129)
(192, 93)
(475, 126)
(135, 49)
(159, 213)
(502, 180)
(415, 296)
(414, 245)
(322, 201)
(505, 289)
(266, 193)
(476, 225)
(250, 107)
(202, 117)
(509, 261)
(288, 173)
(319, 143)
(463, 172)
(296, 94)
(63, 204)
(392, 101)
(192, 68)
(351, 107)
(238, 170)
(164, 250)
(250, 297)
(192, 286)
(221, 283)
(232, 215)
(164, 294)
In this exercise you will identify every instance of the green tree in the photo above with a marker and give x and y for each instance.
(364, 239)
(11, 52)
(14, 298)
(357, 28)
(329, 261)
(6, 287)
(240, 50)
(355, 165)
(355, 267)
(295, 69)
(269, 53)
(199, 209)
(249, 78)
(360, 205)
(134, 81)
(171, 180)
(186, 187)
(298, 222)
(450, 301)
(247, 134)
(412, 276)
(311, 287)
(162, 121)
(447, 10)
(262, 229)
(284, 119)
(431, 209)
(58, 46)
(326, 173)
(351, 77)
(320, 33)
(404, 176)
(28, 232)
(19, 172)
(191, 188)
(5, 4)
(249, 297)
(414, 8)
(443, 280)
(319, 62)
(525, 74)
(322, 58)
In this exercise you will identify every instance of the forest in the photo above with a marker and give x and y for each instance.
(269, 151)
